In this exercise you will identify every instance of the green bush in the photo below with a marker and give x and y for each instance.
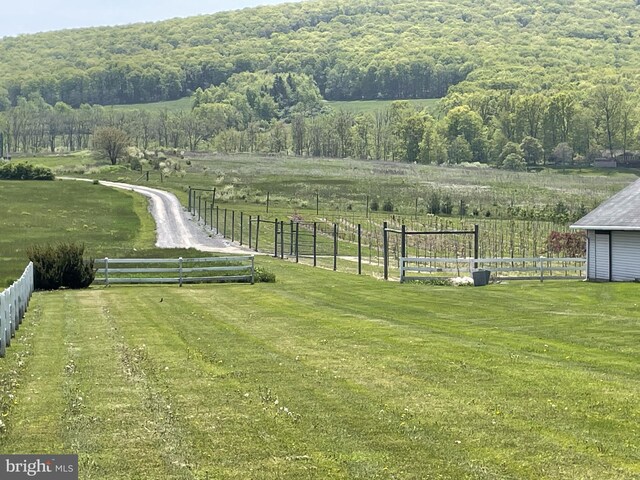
(264, 276)
(61, 265)
(25, 171)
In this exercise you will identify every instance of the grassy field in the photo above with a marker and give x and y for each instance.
(182, 104)
(107, 221)
(343, 187)
(372, 106)
(353, 378)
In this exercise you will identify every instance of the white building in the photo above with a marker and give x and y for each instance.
(613, 237)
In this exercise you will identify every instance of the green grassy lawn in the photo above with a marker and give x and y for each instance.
(329, 375)
(109, 222)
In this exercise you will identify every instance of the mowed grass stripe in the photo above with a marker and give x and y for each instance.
(80, 396)
(325, 375)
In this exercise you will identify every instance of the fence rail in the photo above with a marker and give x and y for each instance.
(13, 305)
(532, 268)
(181, 270)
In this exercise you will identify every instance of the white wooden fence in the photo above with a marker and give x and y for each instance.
(533, 268)
(175, 270)
(13, 305)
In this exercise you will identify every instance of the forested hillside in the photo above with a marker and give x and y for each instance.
(352, 49)
(522, 83)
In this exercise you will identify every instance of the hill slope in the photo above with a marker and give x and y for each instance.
(361, 49)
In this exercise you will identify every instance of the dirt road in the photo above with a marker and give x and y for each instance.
(175, 227)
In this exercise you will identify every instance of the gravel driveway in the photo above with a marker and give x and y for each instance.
(175, 227)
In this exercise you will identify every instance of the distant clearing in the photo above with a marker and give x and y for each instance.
(359, 106)
(370, 106)
(170, 106)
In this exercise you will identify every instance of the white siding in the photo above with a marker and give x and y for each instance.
(591, 255)
(601, 256)
(625, 256)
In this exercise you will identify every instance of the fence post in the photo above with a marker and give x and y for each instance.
(275, 238)
(224, 228)
(335, 247)
(250, 231)
(106, 271)
(385, 251)
(217, 220)
(359, 249)
(241, 225)
(199, 206)
(205, 212)
(233, 225)
(541, 270)
(180, 268)
(291, 237)
(315, 245)
(189, 198)
(476, 244)
(297, 242)
(257, 231)
(282, 239)
(403, 244)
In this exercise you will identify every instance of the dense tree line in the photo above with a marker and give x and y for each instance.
(361, 49)
(284, 115)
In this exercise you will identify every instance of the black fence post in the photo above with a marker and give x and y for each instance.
(385, 251)
(233, 225)
(282, 239)
(217, 220)
(189, 198)
(224, 225)
(403, 244)
(275, 238)
(359, 249)
(297, 242)
(241, 225)
(315, 244)
(476, 244)
(257, 231)
(205, 212)
(291, 237)
(250, 231)
(199, 206)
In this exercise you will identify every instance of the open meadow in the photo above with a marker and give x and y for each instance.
(515, 211)
(320, 375)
